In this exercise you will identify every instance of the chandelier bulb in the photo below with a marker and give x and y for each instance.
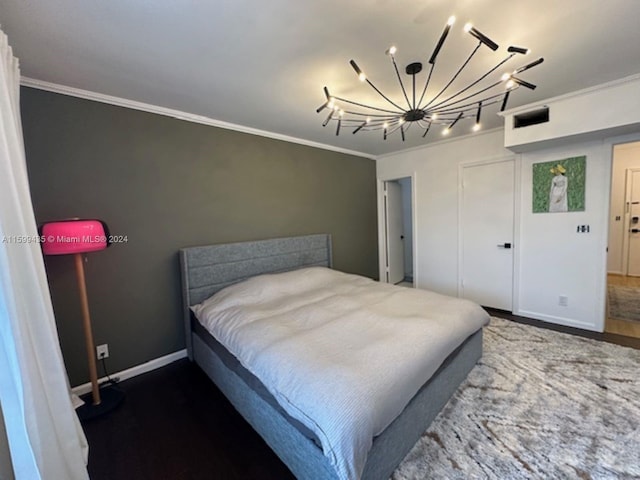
(468, 27)
(452, 20)
(476, 127)
(391, 50)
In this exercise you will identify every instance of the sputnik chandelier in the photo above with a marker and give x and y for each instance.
(443, 108)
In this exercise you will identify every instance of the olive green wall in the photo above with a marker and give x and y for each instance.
(167, 184)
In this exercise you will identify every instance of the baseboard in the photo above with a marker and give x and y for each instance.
(567, 322)
(135, 371)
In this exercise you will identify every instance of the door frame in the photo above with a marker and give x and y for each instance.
(608, 145)
(382, 227)
(516, 159)
(628, 186)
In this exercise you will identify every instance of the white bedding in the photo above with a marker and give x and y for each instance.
(341, 353)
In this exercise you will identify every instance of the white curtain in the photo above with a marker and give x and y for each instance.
(45, 437)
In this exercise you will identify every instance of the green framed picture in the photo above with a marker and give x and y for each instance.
(559, 186)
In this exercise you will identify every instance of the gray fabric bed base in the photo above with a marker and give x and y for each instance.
(302, 455)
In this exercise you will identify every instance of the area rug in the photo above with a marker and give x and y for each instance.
(624, 302)
(539, 405)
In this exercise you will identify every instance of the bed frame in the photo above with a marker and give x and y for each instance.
(207, 269)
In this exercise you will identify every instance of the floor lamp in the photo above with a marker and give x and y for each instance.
(77, 237)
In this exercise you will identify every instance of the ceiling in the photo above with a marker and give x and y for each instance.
(263, 64)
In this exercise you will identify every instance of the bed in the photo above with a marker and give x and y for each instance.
(209, 269)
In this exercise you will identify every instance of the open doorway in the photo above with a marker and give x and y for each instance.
(398, 232)
(623, 257)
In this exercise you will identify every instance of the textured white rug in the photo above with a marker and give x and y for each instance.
(540, 404)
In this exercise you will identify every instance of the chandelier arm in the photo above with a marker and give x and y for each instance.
(393, 130)
(384, 96)
(322, 107)
(395, 66)
(471, 85)
(474, 94)
(373, 129)
(360, 127)
(486, 102)
(505, 100)
(458, 118)
(379, 123)
(372, 115)
(426, 130)
(455, 76)
(324, 124)
(368, 106)
(424, 90)
(448, 120)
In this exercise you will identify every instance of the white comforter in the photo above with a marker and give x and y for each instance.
(341, 353)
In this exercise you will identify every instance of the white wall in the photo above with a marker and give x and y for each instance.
(436, 200)
(624, 156)
(554, 259)
(551, 258)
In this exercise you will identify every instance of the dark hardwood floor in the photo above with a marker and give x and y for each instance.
(175, 424)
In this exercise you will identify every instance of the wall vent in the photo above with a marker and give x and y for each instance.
(533, 117)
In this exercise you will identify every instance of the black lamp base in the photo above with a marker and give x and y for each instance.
(111, 398)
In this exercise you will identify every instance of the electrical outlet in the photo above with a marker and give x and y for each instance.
(563, 301)
(102, 351)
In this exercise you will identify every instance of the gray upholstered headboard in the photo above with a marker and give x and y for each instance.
(210, 268)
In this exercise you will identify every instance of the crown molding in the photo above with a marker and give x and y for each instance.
(180, 115)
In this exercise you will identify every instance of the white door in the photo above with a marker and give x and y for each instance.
(486, 231)
(633, 222)
(394, 232)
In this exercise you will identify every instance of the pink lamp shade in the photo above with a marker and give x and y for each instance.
(74, 236)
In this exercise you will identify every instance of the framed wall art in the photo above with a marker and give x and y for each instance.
(559, 186)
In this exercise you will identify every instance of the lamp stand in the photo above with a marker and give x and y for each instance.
(88, 333)
(111, 396)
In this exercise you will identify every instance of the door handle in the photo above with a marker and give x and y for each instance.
(504, 245)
